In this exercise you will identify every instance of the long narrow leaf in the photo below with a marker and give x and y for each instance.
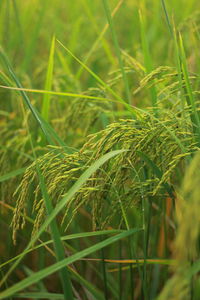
(117, 49)
(59, 265)
(12, 174)
(48, 132)
(64, 238)
(48, 82)
(59, 250)
(98, 79)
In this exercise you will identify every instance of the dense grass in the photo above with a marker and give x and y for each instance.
(99, 149)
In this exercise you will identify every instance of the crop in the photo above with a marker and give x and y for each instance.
(99, 150)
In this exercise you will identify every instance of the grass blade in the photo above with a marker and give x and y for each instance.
(105, 45)
(117, 49)
(45, 127)
(100, 37)
(148, 62)
(40, 295)
(65, 262)
(167, 17)
(48, 82)
(59, 250)
(98, 79)
(59, 94)
(190, 96)
(12, 174)
(63, 238)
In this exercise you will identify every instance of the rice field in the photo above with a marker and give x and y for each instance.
(99, 150)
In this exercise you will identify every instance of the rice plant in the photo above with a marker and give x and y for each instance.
(99, 150)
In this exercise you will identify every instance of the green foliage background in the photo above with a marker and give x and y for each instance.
(99, 135)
